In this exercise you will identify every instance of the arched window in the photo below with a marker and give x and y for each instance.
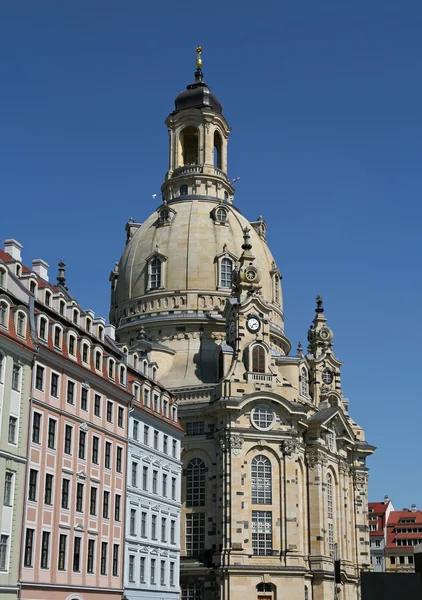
(122, 375)
(189, 143)
(264, 587)
(218, 147)
(62, 307)
(57, 337)
(75, 315)
(226, 273)
(32, 287)
(21, 324)
(155, 274)
(101, 332)
(4, 310)
(327, 376)
(98, 360)
(261, 480)
(195, 483)
(304, 385)
(258, 359)
(145, 367)
(329, 487)
(85, 352)
(2, 278)
(47, 298)
(183, 190)
(72, 345)
(111, 368)
(42, 330)
(135, 361)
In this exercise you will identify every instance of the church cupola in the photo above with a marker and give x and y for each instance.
(319, 335)
(198, 138)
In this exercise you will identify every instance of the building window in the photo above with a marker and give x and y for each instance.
(173, 488)
(143, 524)
(392, 560)
(119, 452)
(152, 573)
(195, 428)
(155, 439)
(43, 328)
(329, 496)
(183, 190)
(195, 534)
(226, 271)
(258, 359)
(36, 428)
(195, 483)
(163, 529)
(115, 560)
(304, 385)
(107, 455)
(174, 448)
(263, 417)
(327, 376)
(16, 377)
(122, 378)
(8, 488)
(95, 443)
(98, 360)
(134, 474)
(261, 480)
(32, 489)
(48, 491)
(54, 385)
(51, 443)
(13, 423)
(154, 481)
(4, 308)
(131, 573)
(57, 337)
(45, 545)
(29, 544)
(117, 499)
(193, 590)
(39, 378)
(61, 565)
(154, 527)
(68, 439)
(164, 487)
(82, 445)
(104, 558)
(79, 497)
(90, 557)
(84, 399)
(21, 324)
(47, 298)
(109, 411)
(97, 405)
(146, 434)
(165, 443)
(70, 392)
(65, 493)
(155, 274)
(145, 478)
(62, 306)
(106, 502)
(120, 414)
(142, 570)
(163, 573)
(85, 351)
(111, 368)
(93, 502)
(72, 344)
(132, 522)
(221, 215)
(76, 554)
(135, 430)
(171, 573)
(172, 531)
(262, 538)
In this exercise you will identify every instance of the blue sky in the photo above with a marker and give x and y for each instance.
(325, 102)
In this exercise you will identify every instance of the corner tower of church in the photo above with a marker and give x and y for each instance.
(274, 486)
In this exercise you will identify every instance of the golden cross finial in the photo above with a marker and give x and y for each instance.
(199, 50)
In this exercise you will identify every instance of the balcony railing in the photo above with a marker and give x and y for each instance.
(188, 169)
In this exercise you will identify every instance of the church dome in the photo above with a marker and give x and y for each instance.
(191, 244)
(197, 94)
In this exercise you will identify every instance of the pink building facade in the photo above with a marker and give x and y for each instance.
(74, 504)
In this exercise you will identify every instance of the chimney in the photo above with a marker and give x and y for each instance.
(13, 248)
(386, 499)
(413, 507)
(110, 330)
(40, 267)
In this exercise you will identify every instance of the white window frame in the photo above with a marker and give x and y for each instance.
(5, 323)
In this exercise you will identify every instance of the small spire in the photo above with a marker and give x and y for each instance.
(246, 239)
(319, 309)
(299, 349)
(198, 73)
(61, 278)
(141, 334)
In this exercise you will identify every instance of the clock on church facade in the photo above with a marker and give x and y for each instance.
(274, 485)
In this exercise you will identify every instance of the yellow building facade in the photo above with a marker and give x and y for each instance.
(274, 468)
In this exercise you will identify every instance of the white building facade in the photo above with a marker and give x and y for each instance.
(152, 544)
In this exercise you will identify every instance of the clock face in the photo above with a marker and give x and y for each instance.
(250, 275)
(253, 324)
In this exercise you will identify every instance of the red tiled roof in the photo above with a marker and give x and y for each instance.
(377, 507)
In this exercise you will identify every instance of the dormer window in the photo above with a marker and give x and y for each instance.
(72, 344)
(100, 332)
(88, 323)
(85, 352)
(21, 324)
(221, 214)
(42, 329)
(135, 361)
(47, 298)
(57, 337)
(75, 316)
(2, 277)
(226, 271)
(111, 368)
(145, 367)
(4, 313)
(154, 373)
(277, 289)
(122, 375)
(18, 270)
(98, 360)
(62, 306)
(33, 287)
(156, 273)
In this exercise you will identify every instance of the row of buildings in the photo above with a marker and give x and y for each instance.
(89, 450)
(393, 536)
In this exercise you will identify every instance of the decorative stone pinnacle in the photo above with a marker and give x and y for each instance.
(198, 73)
(247, 239)
(61, 277)
(299, 349)
(141, 334)
(319, 309)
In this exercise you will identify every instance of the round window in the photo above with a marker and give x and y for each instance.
(263, 417)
